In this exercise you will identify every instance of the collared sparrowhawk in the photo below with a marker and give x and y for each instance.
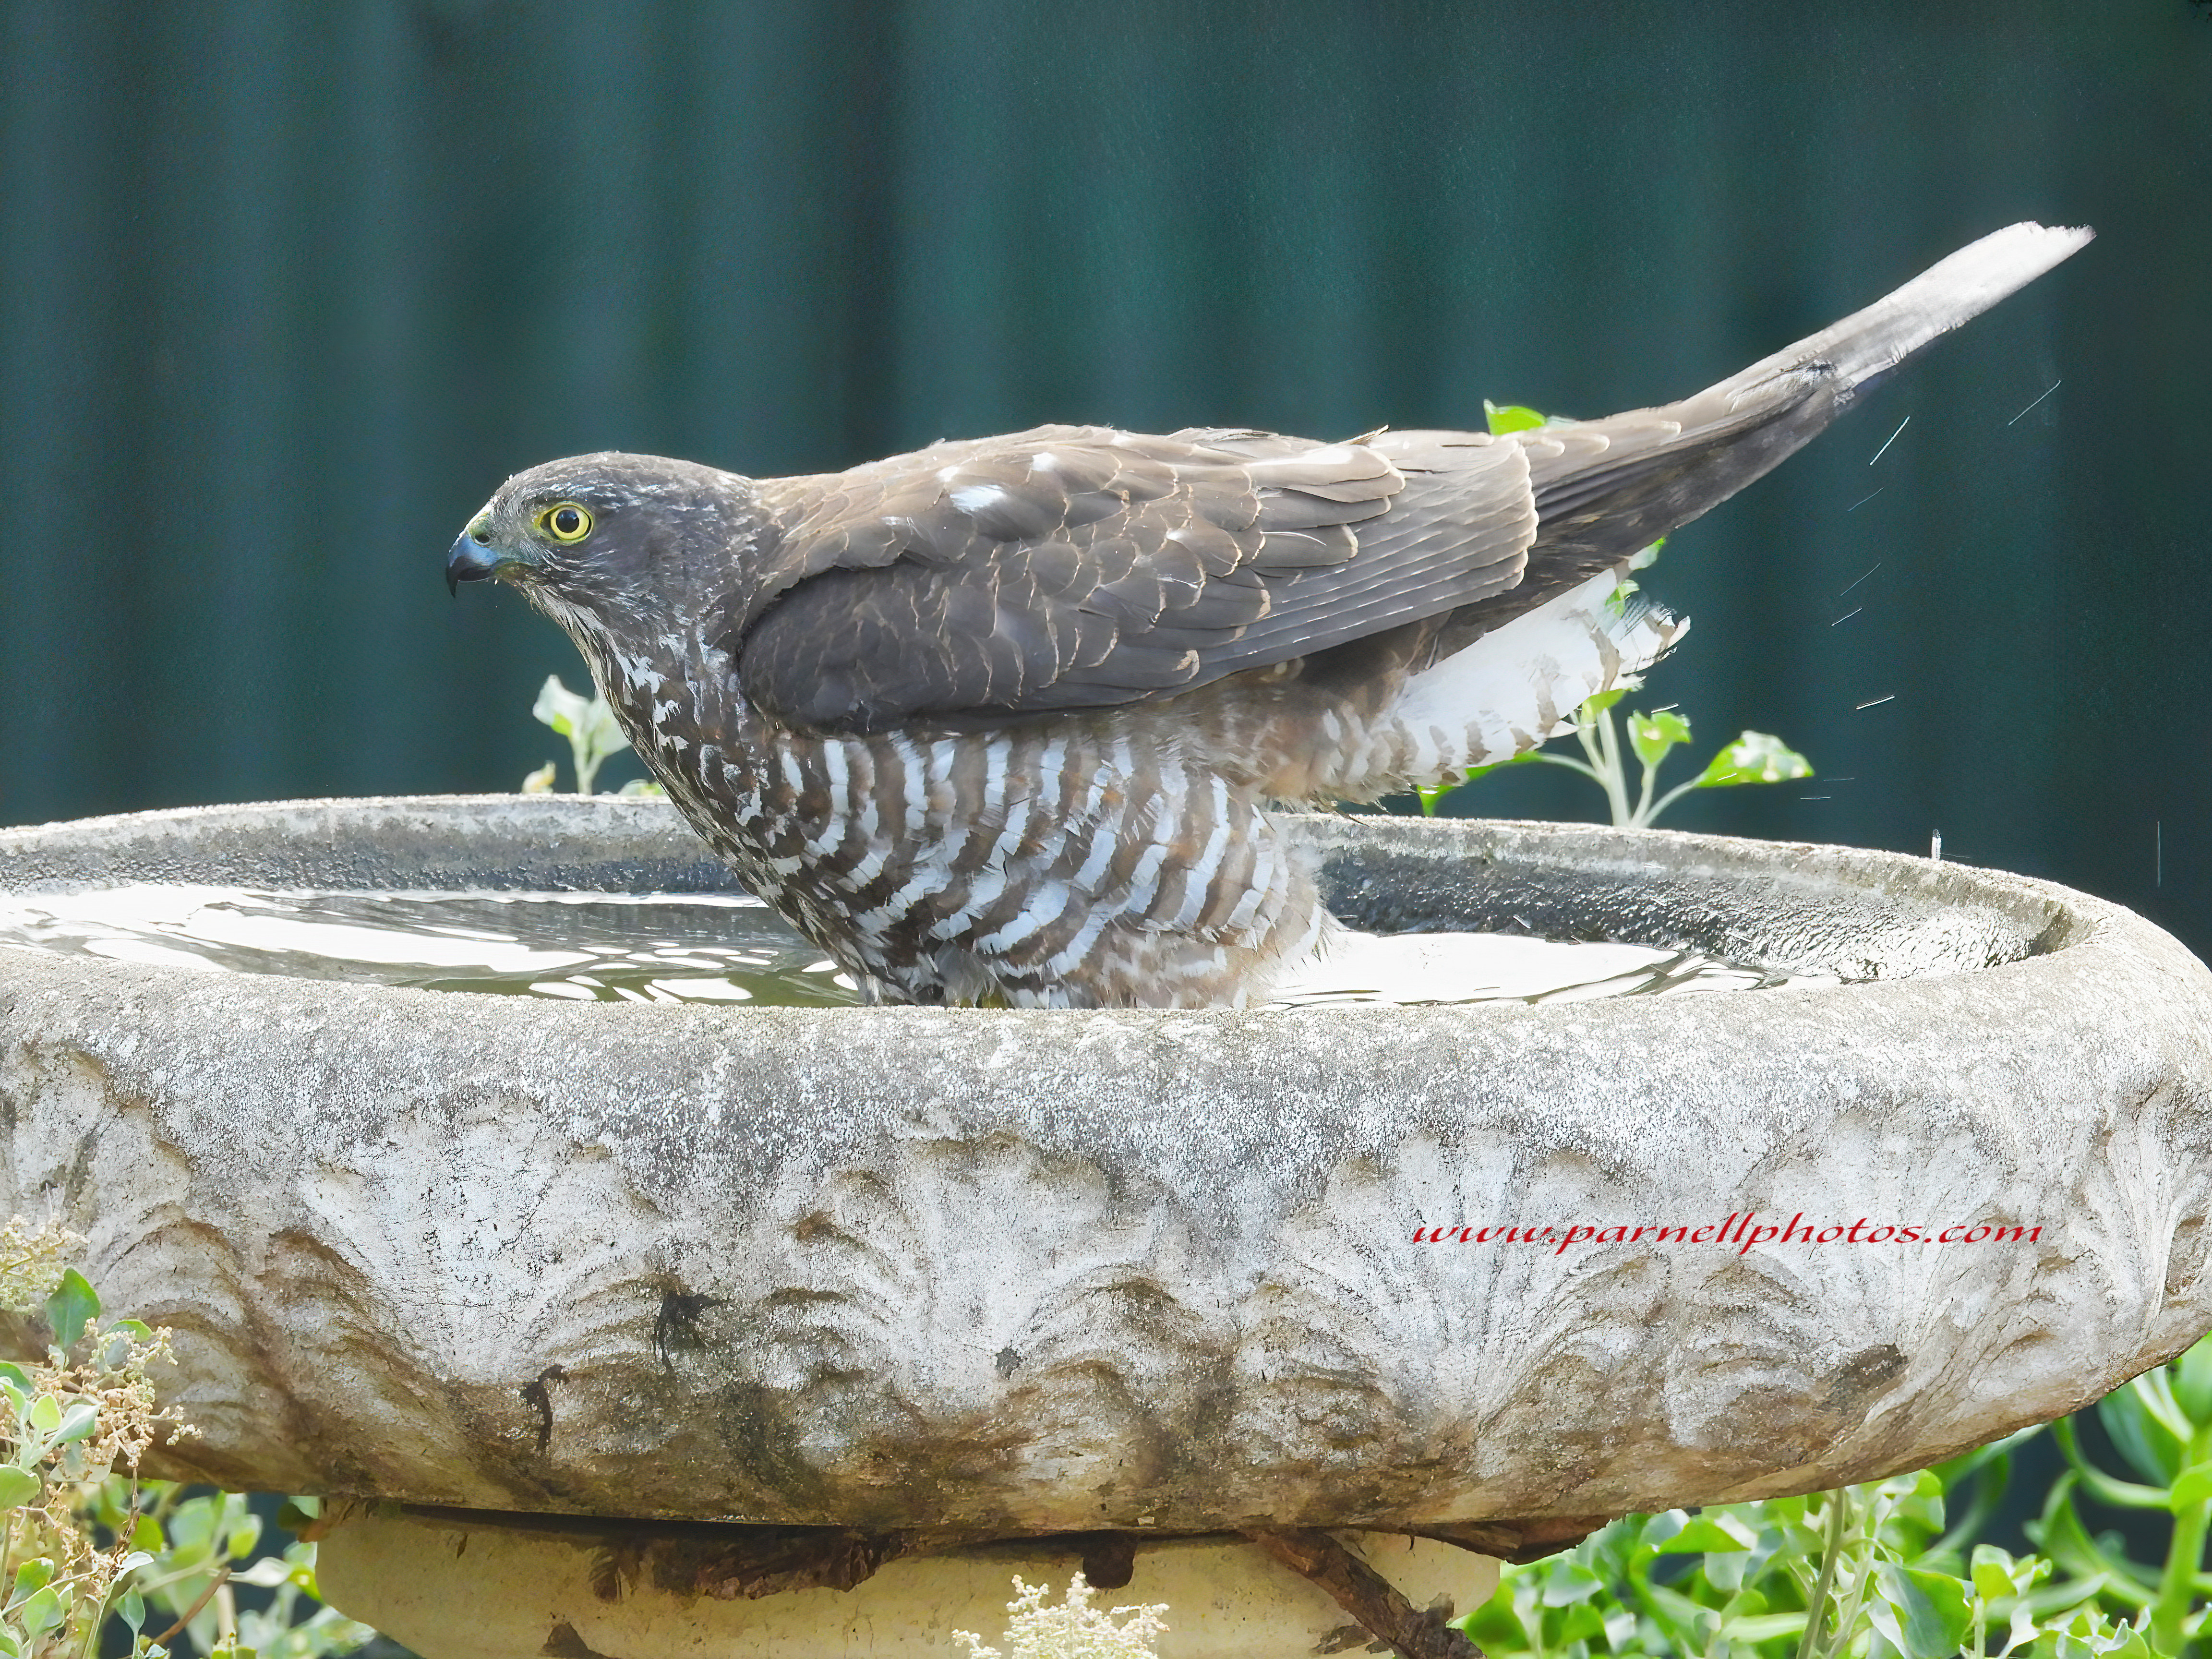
(1009, 719)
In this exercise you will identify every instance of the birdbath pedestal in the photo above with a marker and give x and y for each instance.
(639, 1329)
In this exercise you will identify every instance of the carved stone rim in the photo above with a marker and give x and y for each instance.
(1023, 1273)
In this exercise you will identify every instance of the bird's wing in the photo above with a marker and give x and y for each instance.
(1075, 567)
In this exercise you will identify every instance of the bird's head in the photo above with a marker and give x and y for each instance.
(609, 544)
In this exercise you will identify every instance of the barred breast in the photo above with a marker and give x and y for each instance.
(1084, 862)
(1127, 857)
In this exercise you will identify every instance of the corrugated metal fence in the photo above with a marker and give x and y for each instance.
(288, 289)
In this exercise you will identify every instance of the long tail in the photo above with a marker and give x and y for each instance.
(1607, 488)
(1503, 674)
(1508, 671)
(1866, 344)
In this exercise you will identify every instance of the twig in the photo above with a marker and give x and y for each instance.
(193, 1611)
(1368, 1597)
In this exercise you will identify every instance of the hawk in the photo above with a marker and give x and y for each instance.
(1009, 721)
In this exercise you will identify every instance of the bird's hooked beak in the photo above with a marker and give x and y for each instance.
(473, 557)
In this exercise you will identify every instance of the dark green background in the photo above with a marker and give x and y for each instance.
(289, 289)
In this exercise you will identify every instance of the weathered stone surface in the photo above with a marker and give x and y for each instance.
(1037, 1270)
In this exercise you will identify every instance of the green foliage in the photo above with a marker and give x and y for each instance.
(594, 737)
(1867, 1571)
(84, 1544)
(1512, 417)
(1754, 757)
(196, 1545)
(2162, 1426)
(1886, 1570)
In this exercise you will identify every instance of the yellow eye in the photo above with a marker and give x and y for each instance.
(566, 523)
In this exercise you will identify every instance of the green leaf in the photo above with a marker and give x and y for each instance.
(1510, 417)
(1997, 1575)
(46, 1609)
(77, 1423)
(560, 708)
(1566, 1582)
(2087, 1633)
(2191, 1487)
(1644, 558)
(1699, 1533)
(2192, 1382)
(131, 1608)
(1652, 735)
(589, 724)
(245, 1536)
(1928, 1612)
(1754, 757)
(2147, 1444)
(117, 1341)
(1764, 1627)
(73, 1305)
(192, 1530)
(1497, 1625)
(12, 1375)
(267, 1573)
(18, 1487)
(1596, 705)
(46, 1413)
(32, 1576)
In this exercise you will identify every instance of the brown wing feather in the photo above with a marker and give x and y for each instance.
(1071, 568)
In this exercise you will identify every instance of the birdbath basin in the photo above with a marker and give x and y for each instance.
(711, 1310)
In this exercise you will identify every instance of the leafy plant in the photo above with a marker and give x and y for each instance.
(594, 737)
(1754, 757)
(86, 1545)
(2161, 1425)
(1879, 1570)
(64, 1427)
(1865, 1571)
(197, 1544)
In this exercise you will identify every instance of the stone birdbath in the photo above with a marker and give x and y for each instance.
(639, 1330)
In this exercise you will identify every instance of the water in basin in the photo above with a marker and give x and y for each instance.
(731, 948)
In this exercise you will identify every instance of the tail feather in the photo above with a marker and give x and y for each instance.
(1607, 488)
(1866, 344)
(1514, 689)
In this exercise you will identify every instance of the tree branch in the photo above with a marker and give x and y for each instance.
(1367, 1595)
